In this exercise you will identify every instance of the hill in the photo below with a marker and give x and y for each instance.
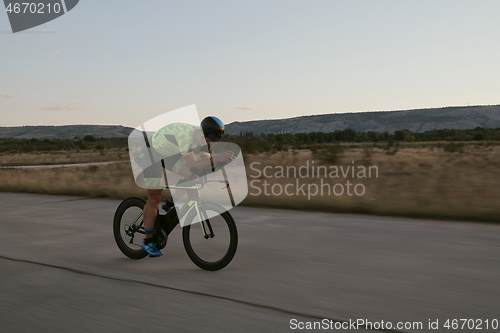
(419, 120)
(64, 132)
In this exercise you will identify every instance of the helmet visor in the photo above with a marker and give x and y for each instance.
(213, 137)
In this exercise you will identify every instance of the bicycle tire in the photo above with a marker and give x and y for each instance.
(136, 204)
(223, 223)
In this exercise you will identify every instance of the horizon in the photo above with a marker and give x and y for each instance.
(311, 115)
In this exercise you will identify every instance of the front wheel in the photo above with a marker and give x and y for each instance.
(210, 244)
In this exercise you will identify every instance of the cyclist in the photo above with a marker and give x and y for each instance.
(178, 143)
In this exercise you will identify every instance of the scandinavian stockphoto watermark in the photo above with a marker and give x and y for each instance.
(24, 15)
(356, 324)
(310, 180)
(430, 324)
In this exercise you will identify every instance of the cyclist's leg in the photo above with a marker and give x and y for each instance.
(153, 180)
(180, 167)
(185, 172)
(150, 213)
(151, 210)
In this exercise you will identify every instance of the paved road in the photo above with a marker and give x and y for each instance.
(52, 166)
(61, 272)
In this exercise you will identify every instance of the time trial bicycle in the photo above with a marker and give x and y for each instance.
(209, 234)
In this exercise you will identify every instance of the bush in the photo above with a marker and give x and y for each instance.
(478, 137)
(410, 138)
(394, 149)
(89, 138)
(453, 147)
(328, 153)
(82, 145)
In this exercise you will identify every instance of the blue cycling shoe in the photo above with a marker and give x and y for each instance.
(167, 205)
(151, 249)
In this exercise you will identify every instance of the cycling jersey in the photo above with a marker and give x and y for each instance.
(174, 139)
(172, 142)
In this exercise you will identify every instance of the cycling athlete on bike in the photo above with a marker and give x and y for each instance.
(178, 143)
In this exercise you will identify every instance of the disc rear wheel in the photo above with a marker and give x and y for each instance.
(128, 228)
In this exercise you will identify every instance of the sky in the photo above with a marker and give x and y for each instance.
(122, 62)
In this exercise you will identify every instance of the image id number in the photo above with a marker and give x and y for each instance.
(33, 8)
(471, 324)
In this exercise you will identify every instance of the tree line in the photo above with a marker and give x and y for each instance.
(251, 143)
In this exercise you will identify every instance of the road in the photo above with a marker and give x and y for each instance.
(53, 166)
(62, 272)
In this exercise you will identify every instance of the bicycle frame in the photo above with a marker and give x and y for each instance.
(194, 199)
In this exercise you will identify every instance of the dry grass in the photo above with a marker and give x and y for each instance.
(423, 182)
(113, 180)
(63, 157)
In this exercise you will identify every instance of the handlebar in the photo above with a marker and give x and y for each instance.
(202, 174)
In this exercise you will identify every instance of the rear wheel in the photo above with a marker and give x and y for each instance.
(128, 228)
(210, 244)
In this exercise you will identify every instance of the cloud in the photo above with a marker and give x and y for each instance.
(6, 96)
(245, 108)
(75, 97)
(57, 51)
(64, 107)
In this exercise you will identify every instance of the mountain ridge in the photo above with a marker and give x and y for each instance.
(416, 120)
(64, 131)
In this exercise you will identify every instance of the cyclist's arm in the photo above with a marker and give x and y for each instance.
(205, 163)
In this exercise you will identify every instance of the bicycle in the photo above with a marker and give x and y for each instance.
(211, 247)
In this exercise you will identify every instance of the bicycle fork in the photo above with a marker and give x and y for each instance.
(203, 218)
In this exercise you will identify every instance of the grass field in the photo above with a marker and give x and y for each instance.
(421, 182)
(63, 157)
(416, 180)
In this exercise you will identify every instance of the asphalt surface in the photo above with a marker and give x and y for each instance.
(62, 272)
(53, 166)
